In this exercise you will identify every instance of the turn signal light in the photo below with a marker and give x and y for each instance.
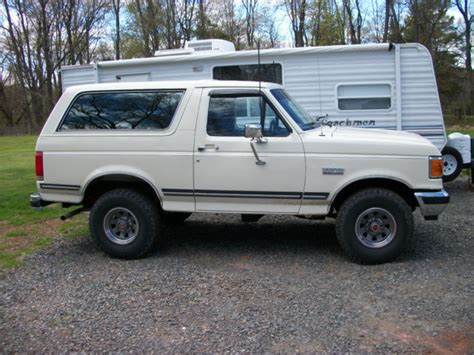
(39, 165)
(436, 167)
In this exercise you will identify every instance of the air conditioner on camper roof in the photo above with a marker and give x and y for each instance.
(210, 45)
(198, 47)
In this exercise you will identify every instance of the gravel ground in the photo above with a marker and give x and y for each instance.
(279, 285)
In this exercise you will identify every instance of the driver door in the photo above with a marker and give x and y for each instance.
(226, 174)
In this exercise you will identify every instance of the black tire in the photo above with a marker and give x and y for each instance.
(357, 206)
(142, 209)
(174, 218)
(456, 169)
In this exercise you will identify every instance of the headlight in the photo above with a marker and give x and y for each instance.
(436, 167)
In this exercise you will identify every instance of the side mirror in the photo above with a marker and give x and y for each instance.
(253, 130)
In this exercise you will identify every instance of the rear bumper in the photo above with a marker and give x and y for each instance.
(37, 202)
(432, 203)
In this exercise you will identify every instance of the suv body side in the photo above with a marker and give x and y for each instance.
(304, 174)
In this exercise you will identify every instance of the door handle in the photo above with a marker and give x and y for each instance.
(202, 148)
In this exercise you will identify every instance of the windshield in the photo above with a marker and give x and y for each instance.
(299, 115)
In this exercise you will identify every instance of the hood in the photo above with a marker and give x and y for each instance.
(367, 141)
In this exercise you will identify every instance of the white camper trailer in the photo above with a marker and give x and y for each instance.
(389, 86)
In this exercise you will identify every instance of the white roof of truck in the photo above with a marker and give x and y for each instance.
(176, 84)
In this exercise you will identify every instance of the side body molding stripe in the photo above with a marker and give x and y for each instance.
(287, 195)
(60, 187)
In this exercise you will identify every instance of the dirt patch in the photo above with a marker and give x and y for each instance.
(15, 239)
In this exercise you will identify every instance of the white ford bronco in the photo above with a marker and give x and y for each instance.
(139, 156)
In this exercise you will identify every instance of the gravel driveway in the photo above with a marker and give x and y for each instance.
(279, 285)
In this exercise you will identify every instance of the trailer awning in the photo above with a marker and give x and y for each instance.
(264, 53)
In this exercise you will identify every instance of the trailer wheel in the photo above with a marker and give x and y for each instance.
(452, 161)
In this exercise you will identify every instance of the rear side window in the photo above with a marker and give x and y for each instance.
(150, 110)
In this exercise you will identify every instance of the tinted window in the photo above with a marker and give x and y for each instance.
(228, 116)
(364, 97)
(122, 110)
(268, 72)
(372, 103)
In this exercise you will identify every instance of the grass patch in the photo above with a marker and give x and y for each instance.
(16, 233)
(17, 242)
(24, 230)
(9, 260)
(75, 227)
(18, 180)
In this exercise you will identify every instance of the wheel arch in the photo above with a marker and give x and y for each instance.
(398, 186)
(105, 182)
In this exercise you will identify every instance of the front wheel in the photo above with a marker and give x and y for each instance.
(452, 164)
(374, 225)
(125, 223)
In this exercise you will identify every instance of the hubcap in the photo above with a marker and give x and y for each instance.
(450, 164)
(375, 227)
(121, 226)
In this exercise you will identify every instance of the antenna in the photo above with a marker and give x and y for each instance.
(262, 103)
(259, 68)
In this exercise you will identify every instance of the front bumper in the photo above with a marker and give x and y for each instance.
(37, 202)
(432, 203)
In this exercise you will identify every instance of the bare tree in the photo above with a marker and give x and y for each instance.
(354, 17)
(34, 38)
(468, 18)
(268, 26)
(250, 10)
(386, 20)
(186, 12)
(116, 9)
(297, 12)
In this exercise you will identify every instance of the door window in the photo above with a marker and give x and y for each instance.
(228, 116)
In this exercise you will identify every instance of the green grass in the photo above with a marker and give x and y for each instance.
(23, 230)
(17, 181)
(75, 227)
(9, 260)
(16, 233)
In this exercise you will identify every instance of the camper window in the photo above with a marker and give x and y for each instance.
(364, 97)
(150, 110)
(268, 72)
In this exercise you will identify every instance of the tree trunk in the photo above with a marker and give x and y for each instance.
(116, 7)
(386, 21)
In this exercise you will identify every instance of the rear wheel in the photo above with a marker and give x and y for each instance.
(125, 223)
(452, 164)
(374, 225)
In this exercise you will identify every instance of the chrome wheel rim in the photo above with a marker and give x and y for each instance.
(375, 227)
(450, 164)
(121, 226)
